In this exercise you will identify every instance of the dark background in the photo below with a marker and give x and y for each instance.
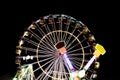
(97, 16)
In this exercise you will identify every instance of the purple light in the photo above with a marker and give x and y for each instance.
(65, 57)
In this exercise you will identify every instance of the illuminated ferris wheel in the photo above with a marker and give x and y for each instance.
(57, 47)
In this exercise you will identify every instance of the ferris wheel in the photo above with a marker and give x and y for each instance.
(57, 47)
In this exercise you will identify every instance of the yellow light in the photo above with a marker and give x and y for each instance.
(26, 33)
(85, 30)
(100, 48)
(33, 27)
(77, 25)
(21, 42)
(41, 22)
(94, 76)
(19, 47)
(18, 52)
(91, 38)
(17, 61)
(97, 65)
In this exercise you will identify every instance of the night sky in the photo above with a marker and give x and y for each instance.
(18, 17)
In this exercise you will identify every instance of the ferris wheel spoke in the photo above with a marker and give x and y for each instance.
(68, 69)
(88, 46)
(54, 26)
(74, 50)
(60, 34)
(75, 54)
(64, 75)
(45, 77)
(70, 36)
(29, 49)
(46, 69)
(54, 37)
(77, 65)
(79, 54)
(48, 62)
(47, 59)
(34, 35)
(87, 78)
(40, 52)
(38, 38)
(83, 39)
(40, 30)
(61, 37)
(33, 63)
(60, 22)
(57, 36)
(79, 49)
(47, 28)
(49, 69)
(40, 77)
(51, 40)
(76, 38)
(86, 60)
(31, 41)
(69, 48)
(47, 45)
(36, 69)
(76, 58)
(90, 70)
(55, 33)
(51, 37)
(79, 59)
(60, 28)
(46, 48)
(60, 69)
(65, 35)
(48, 42)
(46, 72)
(55, 68)
(45, 56)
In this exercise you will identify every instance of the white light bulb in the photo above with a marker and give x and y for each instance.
(31, 57)
(81, 73)
(23, 57)
(28, 57)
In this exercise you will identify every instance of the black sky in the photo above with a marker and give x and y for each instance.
(17, 17)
